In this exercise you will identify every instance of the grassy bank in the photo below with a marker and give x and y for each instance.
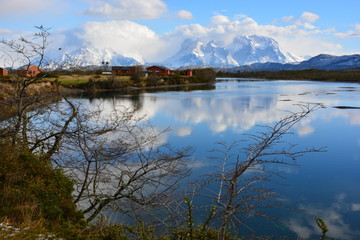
(94, 81)
(80, 81)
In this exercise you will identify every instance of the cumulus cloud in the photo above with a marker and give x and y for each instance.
(219, 19)
(309, 17)
(184, 15)
(128, 38)
(299, 37)
(128, 9)
(140, 42)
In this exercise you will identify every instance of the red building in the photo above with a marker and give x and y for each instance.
(121, 70)
(188, 72)
(158, 70)
(3, 72)
(31, 71)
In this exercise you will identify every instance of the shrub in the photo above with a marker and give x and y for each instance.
(32, 191)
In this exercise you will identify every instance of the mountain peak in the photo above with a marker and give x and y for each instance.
(242, 51)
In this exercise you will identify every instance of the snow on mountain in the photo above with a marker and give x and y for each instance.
(258, 49)
(322, 61)
(243, 50)
(330, 62)
(190, 54)
(86, 57)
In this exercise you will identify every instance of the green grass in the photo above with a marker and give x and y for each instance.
(78, 80)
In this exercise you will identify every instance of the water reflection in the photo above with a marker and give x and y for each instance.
(325, 186)
(337, 219)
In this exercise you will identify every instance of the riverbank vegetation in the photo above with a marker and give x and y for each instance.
(95, 80)
(350, 75)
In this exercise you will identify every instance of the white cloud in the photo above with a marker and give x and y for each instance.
(183, 131)
(125, 37)
(352, 116)
(128, 9)
(310, 17)
(350, 33)
(24, 7)
(140, 42)
(184, 15)
(287, 19)
(219, 19)
(300, 38)
(305, 130)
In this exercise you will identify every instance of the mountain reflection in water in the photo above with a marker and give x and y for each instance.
(325, 184)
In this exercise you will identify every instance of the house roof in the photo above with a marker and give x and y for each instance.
(161, 67)
(26, 67)
(124, 68)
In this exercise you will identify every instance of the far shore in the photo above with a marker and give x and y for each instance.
(350, 75)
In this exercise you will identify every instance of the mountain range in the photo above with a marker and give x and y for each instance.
(322, 62)
(244, 50)
(244, 53)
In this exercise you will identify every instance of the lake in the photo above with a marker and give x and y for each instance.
(324, 184)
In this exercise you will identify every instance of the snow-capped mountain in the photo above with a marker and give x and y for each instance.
(245, 53)
(244, 50)
(258, 49)
(86, 57)
(190, 54)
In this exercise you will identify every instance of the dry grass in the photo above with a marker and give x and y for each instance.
(6, 90)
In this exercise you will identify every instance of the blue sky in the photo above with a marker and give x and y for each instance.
(145, 28)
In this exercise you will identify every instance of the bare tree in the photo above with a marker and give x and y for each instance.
(30, 104)
(239, 186)
(113, 161)
(119, 165)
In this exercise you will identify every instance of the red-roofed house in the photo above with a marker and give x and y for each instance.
(158, 70)
(123, 70)
(32, 71)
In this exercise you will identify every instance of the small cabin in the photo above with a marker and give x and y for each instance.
(31, 71)
(188, 72)
(158, 70)
(3, 72)
(123, 70)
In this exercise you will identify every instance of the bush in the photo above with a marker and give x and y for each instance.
(32, 191)
(206, 75)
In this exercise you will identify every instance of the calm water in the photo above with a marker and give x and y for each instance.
(325, 184)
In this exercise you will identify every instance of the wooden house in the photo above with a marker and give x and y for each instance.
(3, 72)
(158, 70)
(31, 71)
(123, 70)
(188, 72)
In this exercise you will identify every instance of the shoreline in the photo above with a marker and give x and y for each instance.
(66, 90)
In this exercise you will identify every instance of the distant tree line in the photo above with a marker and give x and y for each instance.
(350, 75)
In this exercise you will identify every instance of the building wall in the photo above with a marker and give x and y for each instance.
(4, 72)
(158, 70)
(123, 71)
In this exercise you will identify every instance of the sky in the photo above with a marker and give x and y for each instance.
(153, 30)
